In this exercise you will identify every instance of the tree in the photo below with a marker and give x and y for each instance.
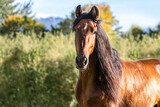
(15, 23)
(105, 14)
(24, 9)
(118, 31)
(136, 32)
(158, 28)
(12, 24)
(152, 32)
(55, 31)
(108, 20)
(38, 28)
(8, 7)
(66, 25)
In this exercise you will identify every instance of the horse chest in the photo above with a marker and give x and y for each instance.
(93, 98)
(90, 96)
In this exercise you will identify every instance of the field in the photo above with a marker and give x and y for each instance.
(40, 72)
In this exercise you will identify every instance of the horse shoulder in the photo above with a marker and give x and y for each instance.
(142, 81)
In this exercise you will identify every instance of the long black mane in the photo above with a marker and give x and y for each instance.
(109, 64)
(108, 61)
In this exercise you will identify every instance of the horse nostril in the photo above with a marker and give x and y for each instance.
(85, 61)
(76, 60)
(81, 61)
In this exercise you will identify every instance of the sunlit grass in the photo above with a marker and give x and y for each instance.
(131, 49)
(40, 72)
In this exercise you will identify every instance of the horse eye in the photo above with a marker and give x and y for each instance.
(75, 30)
(95, 32)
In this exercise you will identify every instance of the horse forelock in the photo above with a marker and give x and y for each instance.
(83, 16)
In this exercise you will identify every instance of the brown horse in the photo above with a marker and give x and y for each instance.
(106, 80)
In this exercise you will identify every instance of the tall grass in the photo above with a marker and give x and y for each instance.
(40, 72)
(131, 49)
(37, 72)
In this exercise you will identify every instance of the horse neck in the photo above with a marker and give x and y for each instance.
(90, 75)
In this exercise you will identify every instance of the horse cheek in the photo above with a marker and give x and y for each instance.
(92, 48)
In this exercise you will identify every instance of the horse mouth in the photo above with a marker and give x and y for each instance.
(82, 67)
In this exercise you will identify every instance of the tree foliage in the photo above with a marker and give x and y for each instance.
(12, 23)
(24, 9)
(6, 8)
(136, 30)
(66, 25)
(105, 14)
(9, 7)
(16, 23)
(108, 20)
(55, 31)
(158, 27)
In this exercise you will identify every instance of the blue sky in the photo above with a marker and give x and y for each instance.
(145, 13)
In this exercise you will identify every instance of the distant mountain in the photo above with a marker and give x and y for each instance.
(50, 21)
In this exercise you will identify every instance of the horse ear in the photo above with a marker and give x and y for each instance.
(94, 12)
(78, 10)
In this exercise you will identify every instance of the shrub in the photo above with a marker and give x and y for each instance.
(17, 23)
(130, 49)
(36, 72)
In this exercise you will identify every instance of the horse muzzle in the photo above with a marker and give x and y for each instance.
(81, 62)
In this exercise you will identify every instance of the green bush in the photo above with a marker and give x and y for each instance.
(36, 72)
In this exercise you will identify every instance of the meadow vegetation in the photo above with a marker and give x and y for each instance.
(37, 68)
(37, 72)
(132, 49)
(40, 72)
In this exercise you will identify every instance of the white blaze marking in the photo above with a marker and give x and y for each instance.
(85, 27)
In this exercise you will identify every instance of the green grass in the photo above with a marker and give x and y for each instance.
(37, 72)
(130, 49)
(40, 72)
